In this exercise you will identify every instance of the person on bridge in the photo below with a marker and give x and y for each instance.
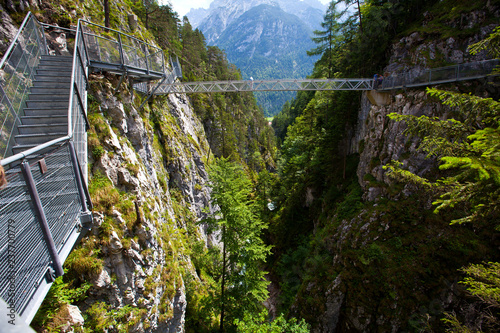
(380, 80)
(375, 81)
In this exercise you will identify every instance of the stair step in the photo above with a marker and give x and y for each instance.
(49, 58)
(52, 83)
(43, 128)
(54, 65)
(59, 96)
(43, 195)
(45, 78)
(37, 139)
(40, 120)
(62, 179)
(56, 71)
(50, 90)
(47, 111)
(38, 104)
(52, 213)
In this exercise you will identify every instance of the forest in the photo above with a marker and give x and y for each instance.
(296, 228)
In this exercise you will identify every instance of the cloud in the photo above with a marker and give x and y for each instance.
(183, 6)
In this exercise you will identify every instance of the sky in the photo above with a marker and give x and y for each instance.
(182, 7)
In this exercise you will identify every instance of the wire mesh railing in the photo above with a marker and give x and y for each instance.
(77, 110)
(461, 72)
(107, 47)
(467, 71)
(23, 251)
(17, 71)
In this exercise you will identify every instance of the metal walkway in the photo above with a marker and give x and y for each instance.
(45, 208)
(468, 71)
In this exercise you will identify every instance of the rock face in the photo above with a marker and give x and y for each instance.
(160, 166)
(383, 140)
(7, 30)
(361, 246)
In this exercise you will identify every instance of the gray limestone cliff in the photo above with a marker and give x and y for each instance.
(362, 243)
(159, 165)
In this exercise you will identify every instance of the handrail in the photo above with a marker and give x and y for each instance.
(57, 27)
(14, 41)
(32, 151)
(72, 81)
(19, 63)
(447, 74)
(124, 48)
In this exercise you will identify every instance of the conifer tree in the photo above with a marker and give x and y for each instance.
(469, 151)
(242, 284)
(327, 37)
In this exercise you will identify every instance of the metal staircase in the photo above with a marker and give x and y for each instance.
(46, 112)
(45, 208)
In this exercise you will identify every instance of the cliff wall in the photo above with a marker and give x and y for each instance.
(395, 264)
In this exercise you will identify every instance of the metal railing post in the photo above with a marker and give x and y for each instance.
(45, 41)
(122, 57)
(40, 216)
(146, 56)
(86, 215)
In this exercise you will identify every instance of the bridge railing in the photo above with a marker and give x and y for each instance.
(265, 85)
(107, 47)
(460, 72)
(467, 71)
(17, 70)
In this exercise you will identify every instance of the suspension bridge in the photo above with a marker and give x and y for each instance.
(45, 208)
(449, 74)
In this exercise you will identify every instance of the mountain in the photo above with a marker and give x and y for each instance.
(265, 39)
(223, 12)
(196, 15)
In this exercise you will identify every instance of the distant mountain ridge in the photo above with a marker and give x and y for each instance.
(264, 38)
(222, 13)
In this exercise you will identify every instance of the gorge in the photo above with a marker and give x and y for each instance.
(354, 246)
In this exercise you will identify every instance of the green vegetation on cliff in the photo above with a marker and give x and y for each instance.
(372, 265)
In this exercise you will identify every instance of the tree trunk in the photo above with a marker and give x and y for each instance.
(106, 13)
(223, 279)
(359, 14)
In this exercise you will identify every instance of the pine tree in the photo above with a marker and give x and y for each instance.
(242, 284)
(469, 151)
(326, 38)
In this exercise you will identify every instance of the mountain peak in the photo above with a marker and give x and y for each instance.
(225, 11)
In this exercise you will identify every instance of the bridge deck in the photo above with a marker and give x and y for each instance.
(468, 71)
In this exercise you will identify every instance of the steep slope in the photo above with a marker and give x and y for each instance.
(266, 42)
(148, 181)
(356, 250)
(266, 35)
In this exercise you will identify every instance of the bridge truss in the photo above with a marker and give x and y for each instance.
(265, 85)
(448, 74)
